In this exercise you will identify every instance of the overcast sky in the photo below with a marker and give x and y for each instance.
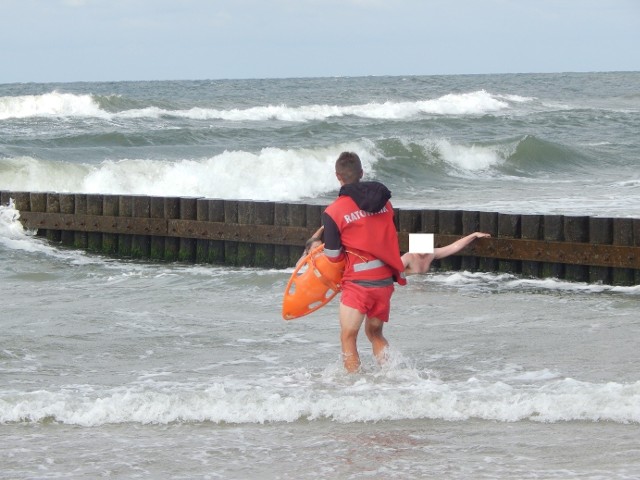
(103, 40)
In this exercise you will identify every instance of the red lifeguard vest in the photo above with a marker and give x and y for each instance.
(369, 241)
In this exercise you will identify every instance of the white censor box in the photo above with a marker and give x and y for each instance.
(421, 243)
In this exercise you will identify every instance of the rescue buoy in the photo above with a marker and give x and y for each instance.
(316, 286)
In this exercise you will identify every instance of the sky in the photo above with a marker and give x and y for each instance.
(112, 40)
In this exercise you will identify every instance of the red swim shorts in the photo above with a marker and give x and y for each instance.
(374, 302)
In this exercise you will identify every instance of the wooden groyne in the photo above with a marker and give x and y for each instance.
(272, 234)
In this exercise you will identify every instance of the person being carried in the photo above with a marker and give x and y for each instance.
(421, 262)
(359, 228)
(414, 263)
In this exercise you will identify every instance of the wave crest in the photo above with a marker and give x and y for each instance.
(73, 105)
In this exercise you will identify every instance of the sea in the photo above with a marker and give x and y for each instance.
(120, 368)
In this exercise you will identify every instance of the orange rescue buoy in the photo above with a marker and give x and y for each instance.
(316, 286)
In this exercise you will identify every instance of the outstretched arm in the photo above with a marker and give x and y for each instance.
(458, 245)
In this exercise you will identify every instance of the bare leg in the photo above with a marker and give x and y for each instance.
(373, 329)
(350, 322)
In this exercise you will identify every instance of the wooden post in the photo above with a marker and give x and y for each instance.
(188, 211)
(429, 221)
(622, 235)
(409, 221)
(80, 238)
(300, 216)
(53, 206)
(125, 209)
(314, 216)
(532, 228)
(38, 203)
(509, 227)
(488, 224)
(216, 247)
(63, 203)
(246, 216)
(576, 229)
(141, 244)
(470, 224)
(110, 209)
(450, 223)
(230, 247)
(636, 241)
(156, 242)
(600, 232)
(553, 231)
(281, 219)
(171, 244)
(22, 201)
(94, 207)
(202, 215)
(264, 215)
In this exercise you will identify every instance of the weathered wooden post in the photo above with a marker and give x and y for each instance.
(576, 230)
(407, 221)
(509, 227)
(600, 232)
(488, 224)
(636, 241)
(140, 244)
(531, 228)
(470, 224)
(94, 207)
(216, 248)
(110, 209)
(171, 243)
(623, 235)
(231, 247)
(246, 216)
(156, 242)
(188, 211)
(264, 252)
(125, 209)
(281, 219)
(38, 203)
(80, 208)
(553, 231)
(202, 245)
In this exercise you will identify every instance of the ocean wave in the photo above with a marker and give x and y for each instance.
(112, 107)
(52, 104)
(480, 282)
(527, 158)
(308, 396)
(271, 174)
(293, 174)
(14, 237)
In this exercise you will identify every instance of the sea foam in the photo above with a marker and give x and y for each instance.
(274, 174)
(365, 399)
(57, 104)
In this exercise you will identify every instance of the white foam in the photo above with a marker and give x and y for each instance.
(472, 158)
(504, 281)
(52, 104)
(12, 234)
(271, 174)
(304, 395)
(74, 105)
